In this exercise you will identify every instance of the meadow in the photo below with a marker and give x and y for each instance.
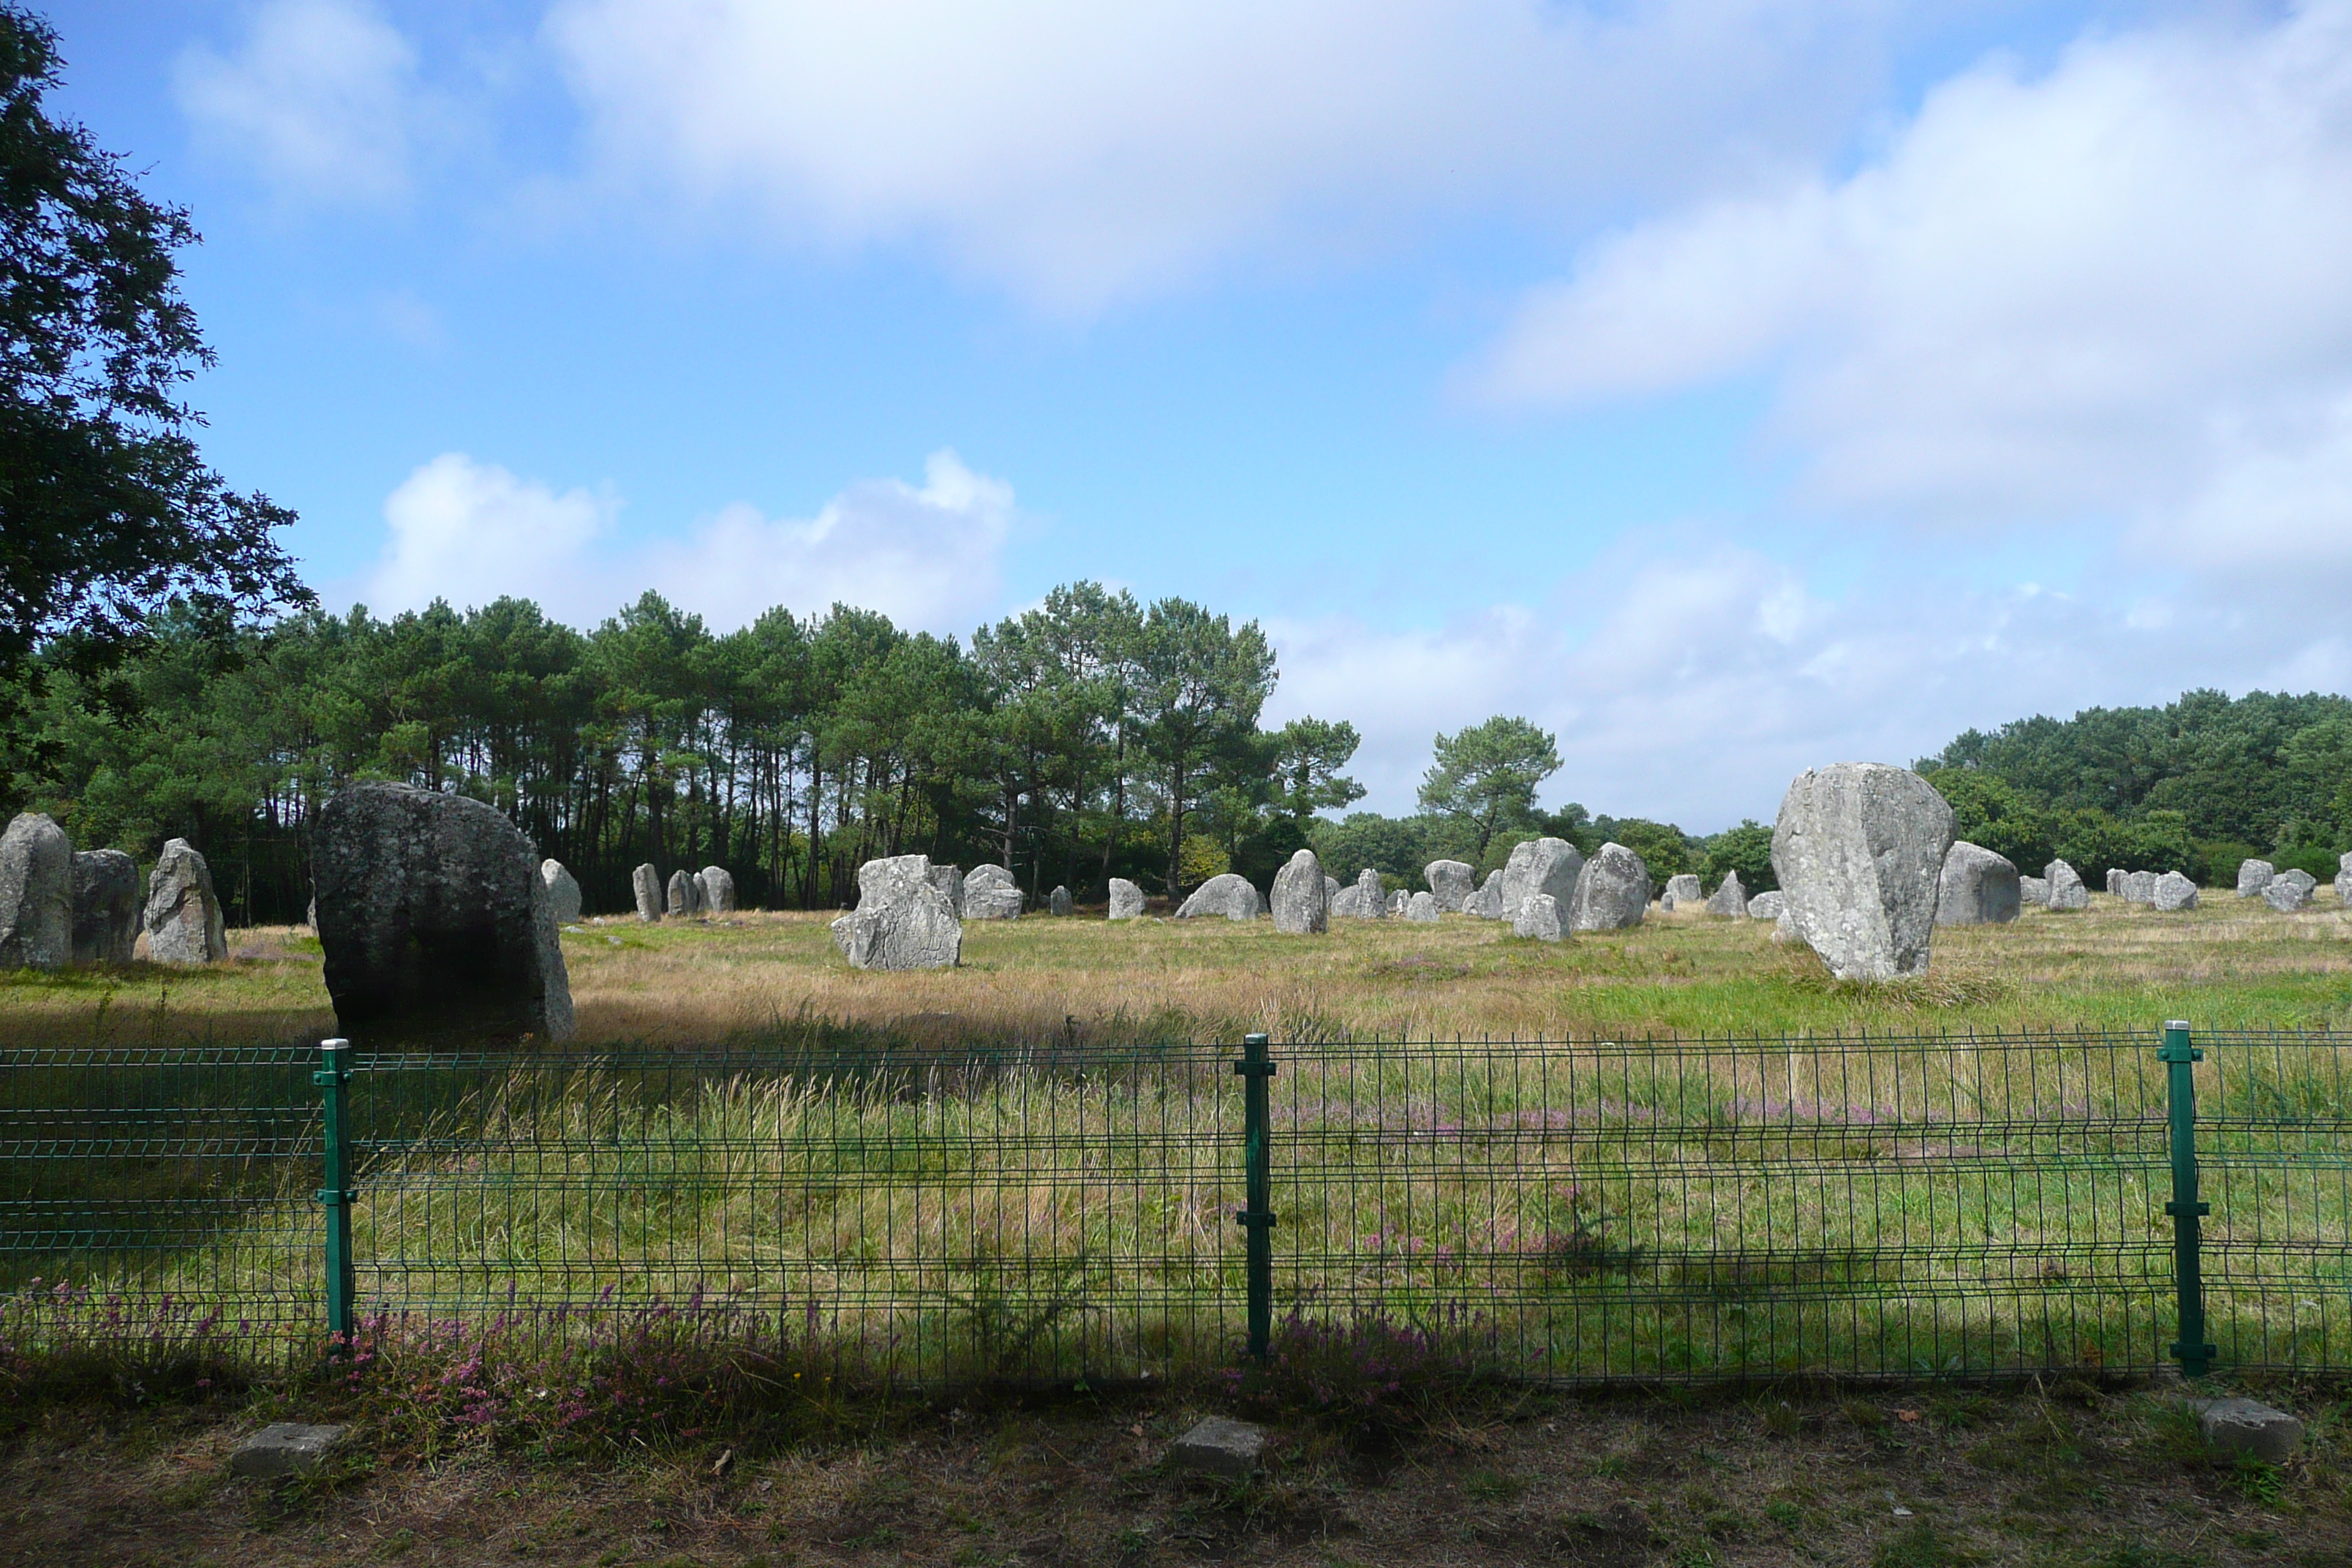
(2231, 963)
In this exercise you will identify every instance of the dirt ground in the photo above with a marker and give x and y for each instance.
(2061, 1474)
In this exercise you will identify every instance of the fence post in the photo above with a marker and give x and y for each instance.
(2187, 1234)
(1257, 1181)
(334, 1078)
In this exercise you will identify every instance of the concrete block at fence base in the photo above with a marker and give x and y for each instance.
(286, 1448)
(1220, 1448)
(2235, 1428)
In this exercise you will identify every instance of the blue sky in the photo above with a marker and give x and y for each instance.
(1731, 387)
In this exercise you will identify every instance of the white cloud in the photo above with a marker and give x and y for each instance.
(1077, 152)
(2117, 291)
(469, 532)
(1714, 674)
(926, 558)
(320, 98)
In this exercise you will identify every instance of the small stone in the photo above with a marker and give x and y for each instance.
(1300, 905)
(1729, 899)
(1421, 907)
(1537, 918)
(563, 894)
(2254, 875)
(106, 906)
(2286, 895)
(2173, 892)
(183, 917)
(1229, 894)
(718, 891)
(2066, 890)
(1486, 903)
(1976, 887)
(37, 901)
(989, 893)
(2234, 1428)
(1361, 899)
(1219, 1446)
(2034, 890)
(285, 1448)
(1612, 892)
(1452, 881)
(1539, 866)
(645, 885)
(1126, 900)
(1059, 902)
(1682, 891)
(1768, 906)
(1398, 900)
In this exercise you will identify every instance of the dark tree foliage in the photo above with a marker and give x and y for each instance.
(2194, 785)
(1063, 745)
(107, 512)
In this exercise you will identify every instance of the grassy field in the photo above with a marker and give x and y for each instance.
(2231, 963)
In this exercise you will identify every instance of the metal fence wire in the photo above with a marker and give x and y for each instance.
(1683, 1209)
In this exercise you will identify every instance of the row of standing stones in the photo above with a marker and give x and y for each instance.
(60, 905)
(1865, 854)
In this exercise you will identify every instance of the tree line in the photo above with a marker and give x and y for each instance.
(1090, 737)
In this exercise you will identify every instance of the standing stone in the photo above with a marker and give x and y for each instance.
(1360, 899)
(1977, 888)
(1537, 918)
(563, 894)
(1539, 866)
(949, 880)
(1766, 906)
(681, 896)
(989, 893)
(1331, 889)
(1451, 882)
(2254, 875)
(1421, 907)
(2173, 893)
(2344, 877)
(1228, 894)
(1682, 891)
(1126, 900)
(700, 888)
(434, 919)
(2066, 890)
(902, 919)
(105, 906)
(1859, 848)
(1730, 899)
(183, 916)
(1486, 903)
(718, 891)
(645, 884)
(1058, 901)
(2140, 887)
(37, 896)
(1612, 892)
(2116, 881)
(1301, 906)
(2034, 890)
(2286, 895)
(1398, 902)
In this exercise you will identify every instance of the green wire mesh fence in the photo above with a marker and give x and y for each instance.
(1562, 1211)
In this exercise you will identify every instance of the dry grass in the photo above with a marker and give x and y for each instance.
(2067, 1479)
(2232, 964)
